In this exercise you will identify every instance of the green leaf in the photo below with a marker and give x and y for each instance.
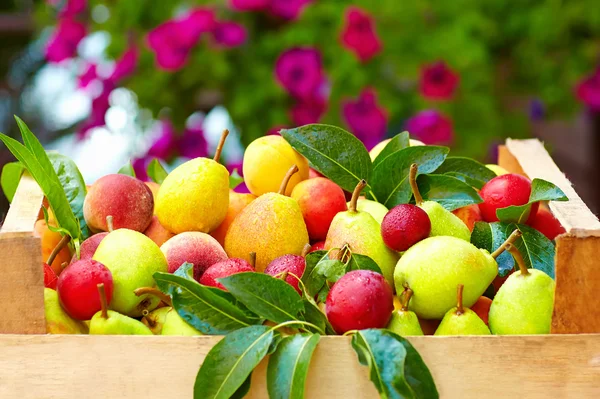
(10, 178)
(449, 191)
(490, 236)
(288, 366)
(235, 179)
(326, 270)
(396, 368)
(390, 177)
(127, 170)
(466, 169)
(333, 152)
(537, 250)
(243, 390)
(268, 297)
(362, 262)
(203, 308)
(541, 190)
(229, 363)
(312, 259)
(399, 142)
(72, 182)
(314, 315)
(156, 171)
(186, 270)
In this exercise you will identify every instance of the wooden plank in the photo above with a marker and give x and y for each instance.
(27, 203)
(565, 366)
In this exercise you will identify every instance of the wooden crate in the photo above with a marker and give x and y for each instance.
(35, 365)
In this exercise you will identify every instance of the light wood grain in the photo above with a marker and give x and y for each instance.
(103, 367)
(574, 215)
(27, 203)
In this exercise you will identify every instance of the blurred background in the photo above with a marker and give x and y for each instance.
(109, 82)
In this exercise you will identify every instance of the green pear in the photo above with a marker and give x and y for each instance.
(108, 322)
(175, 325)
(272, 226)
(132, 259)
(57, 320)
(377, 210)
(405, 322)
(524, 303)
(165, 320)
(461, 320)
(443, 222)
(433, 268)
(361, 232)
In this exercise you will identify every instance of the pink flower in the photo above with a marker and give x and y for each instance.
(288, 9)
(249, 5)
(70, 8)
(299, 71)
(274, 131)
(438, 81)
(173, 40)
(230, 34)
(125, 65)
(140, 167)
(193, 144)
(307, 112)
(359, 35)
(63, 42)
(431, 127)
(366, 119)
(88, 76)
(588, 90)
(166, 143)
(100, 105)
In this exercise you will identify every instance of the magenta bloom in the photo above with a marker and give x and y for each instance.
(230, 34)
(249, 5)
(306, 112)
(140, 167)
(366, 119)
(125, 65)
(166, 143)
(588, 91)
(288, 9)
(88, 76)
(359, 35)
(192, 143)
(63, 42)
(438, 81)
(431, 127)
(299, 71)
(100, 105)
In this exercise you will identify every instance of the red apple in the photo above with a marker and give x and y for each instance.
(503, 191)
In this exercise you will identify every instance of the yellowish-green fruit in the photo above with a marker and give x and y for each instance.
(461, 321)
(381, 145)
(194, 196)
(175, 325)
(155, 319)
(362, 233)
(377, 210)
(524, 303)
(132, 258)
(271, 226)
(435, 266)
(497, 169)
(405, 322)
(443, 222)
(267, 160)
(107, 322)
(57, 320)
(415, 143)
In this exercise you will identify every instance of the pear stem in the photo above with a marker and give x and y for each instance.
(412, 178)
(407, 294)
(63, 265)
(305, 250)
(103, 302)
(61, 244)
(286, 179)
(459, 299)
(355, 194)
(253, 259)
(220, 146)
(518, 258)
(109, 223)
(153, 291)
(511, 239)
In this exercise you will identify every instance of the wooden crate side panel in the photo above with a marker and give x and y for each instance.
(565, 366)
(25, 207)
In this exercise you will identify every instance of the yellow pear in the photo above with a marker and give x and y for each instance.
(272, 225)
(195, 196)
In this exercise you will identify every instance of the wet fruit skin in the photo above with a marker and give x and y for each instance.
(317, 246)
(77, 288)
(360, 299)
(503, 191)
(294, 264)
(224, 269)
(545, 222)
(405, 225)
(469, 214)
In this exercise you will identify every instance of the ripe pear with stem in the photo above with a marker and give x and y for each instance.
(272, 226)
(362, 233)
(443, 222)
(433, 268)
(405, 322)
(461, 320)
(108, 322)
(525, 302)
(165, 320)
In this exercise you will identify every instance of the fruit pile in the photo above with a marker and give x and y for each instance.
(464, 249)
